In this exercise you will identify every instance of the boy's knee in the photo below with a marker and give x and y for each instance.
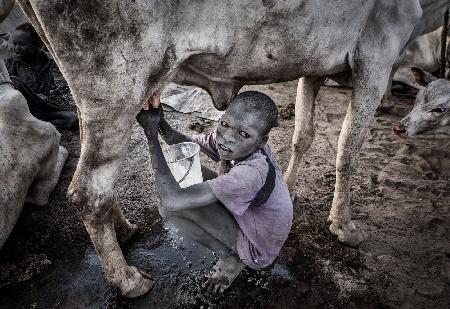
(165, 213)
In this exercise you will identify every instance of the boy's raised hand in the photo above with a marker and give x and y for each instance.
(150, 115)
(154, 101)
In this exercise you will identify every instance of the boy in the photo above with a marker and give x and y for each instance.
(244, 215)
(31, 72)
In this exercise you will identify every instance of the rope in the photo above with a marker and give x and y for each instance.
(444, 45)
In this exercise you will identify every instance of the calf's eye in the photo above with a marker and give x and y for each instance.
(244, 134)
(224, 124)
(438, 110)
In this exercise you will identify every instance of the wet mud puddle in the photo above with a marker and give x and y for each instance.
(78, 282)
(177, 266)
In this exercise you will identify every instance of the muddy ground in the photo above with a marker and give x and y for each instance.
(401, 198)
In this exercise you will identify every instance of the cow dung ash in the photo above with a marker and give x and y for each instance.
(200, 125)
(49, 260)
(287, 112)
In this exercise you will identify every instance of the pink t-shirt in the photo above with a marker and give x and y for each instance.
(264, 228)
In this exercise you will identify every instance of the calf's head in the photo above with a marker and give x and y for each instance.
(430, 114)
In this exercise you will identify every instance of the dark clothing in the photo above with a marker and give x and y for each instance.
(39, 105)
(37, 81)
(35, 86)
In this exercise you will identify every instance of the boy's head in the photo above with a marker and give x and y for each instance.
(245, 126)
(26, 41)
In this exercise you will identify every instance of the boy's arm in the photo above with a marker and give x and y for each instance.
(173, 198)
(51, 78)
(170, 135)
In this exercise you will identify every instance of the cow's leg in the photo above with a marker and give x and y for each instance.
(388, 94)
(307, 90)
(386, 103)
(371, 73)
(369, 85)
(104, 144)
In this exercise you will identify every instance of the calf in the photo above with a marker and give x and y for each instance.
(31, 158)
(430, 115)
(424, 53)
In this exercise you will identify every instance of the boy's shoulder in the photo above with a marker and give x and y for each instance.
(256, 163)
(259, 158)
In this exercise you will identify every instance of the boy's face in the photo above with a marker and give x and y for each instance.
(23, 45)
(240, 133)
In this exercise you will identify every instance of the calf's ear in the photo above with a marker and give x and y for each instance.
(423, 78)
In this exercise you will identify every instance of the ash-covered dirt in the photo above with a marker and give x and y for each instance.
(400, 195)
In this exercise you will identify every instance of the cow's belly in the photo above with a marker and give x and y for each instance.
(264, 67)
(290, 42)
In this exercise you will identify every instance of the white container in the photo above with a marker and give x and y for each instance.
(184, 162)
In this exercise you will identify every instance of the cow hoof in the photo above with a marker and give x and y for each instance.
(138, 283)
(347, 233)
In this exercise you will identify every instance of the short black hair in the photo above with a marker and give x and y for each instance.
(36, 39)
(259, 103)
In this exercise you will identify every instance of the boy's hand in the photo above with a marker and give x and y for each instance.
(150, 115)
(154, 101)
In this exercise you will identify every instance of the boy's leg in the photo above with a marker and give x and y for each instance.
(62, 119)
(45, 111)
(215, 228)
(216, 222)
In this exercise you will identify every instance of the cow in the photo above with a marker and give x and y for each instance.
(6, 6)
(11, 20)
(423, 53)
(31, 158)
(430, 115)
(115, 54)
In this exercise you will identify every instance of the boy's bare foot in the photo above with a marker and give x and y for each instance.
(224, 273)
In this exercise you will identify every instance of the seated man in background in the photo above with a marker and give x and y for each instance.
(31, 72)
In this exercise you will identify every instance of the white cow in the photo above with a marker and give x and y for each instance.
(6, 6)
(13, 19)
(31, 158)
(115, 54)
(430, 115)
(424, 53)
